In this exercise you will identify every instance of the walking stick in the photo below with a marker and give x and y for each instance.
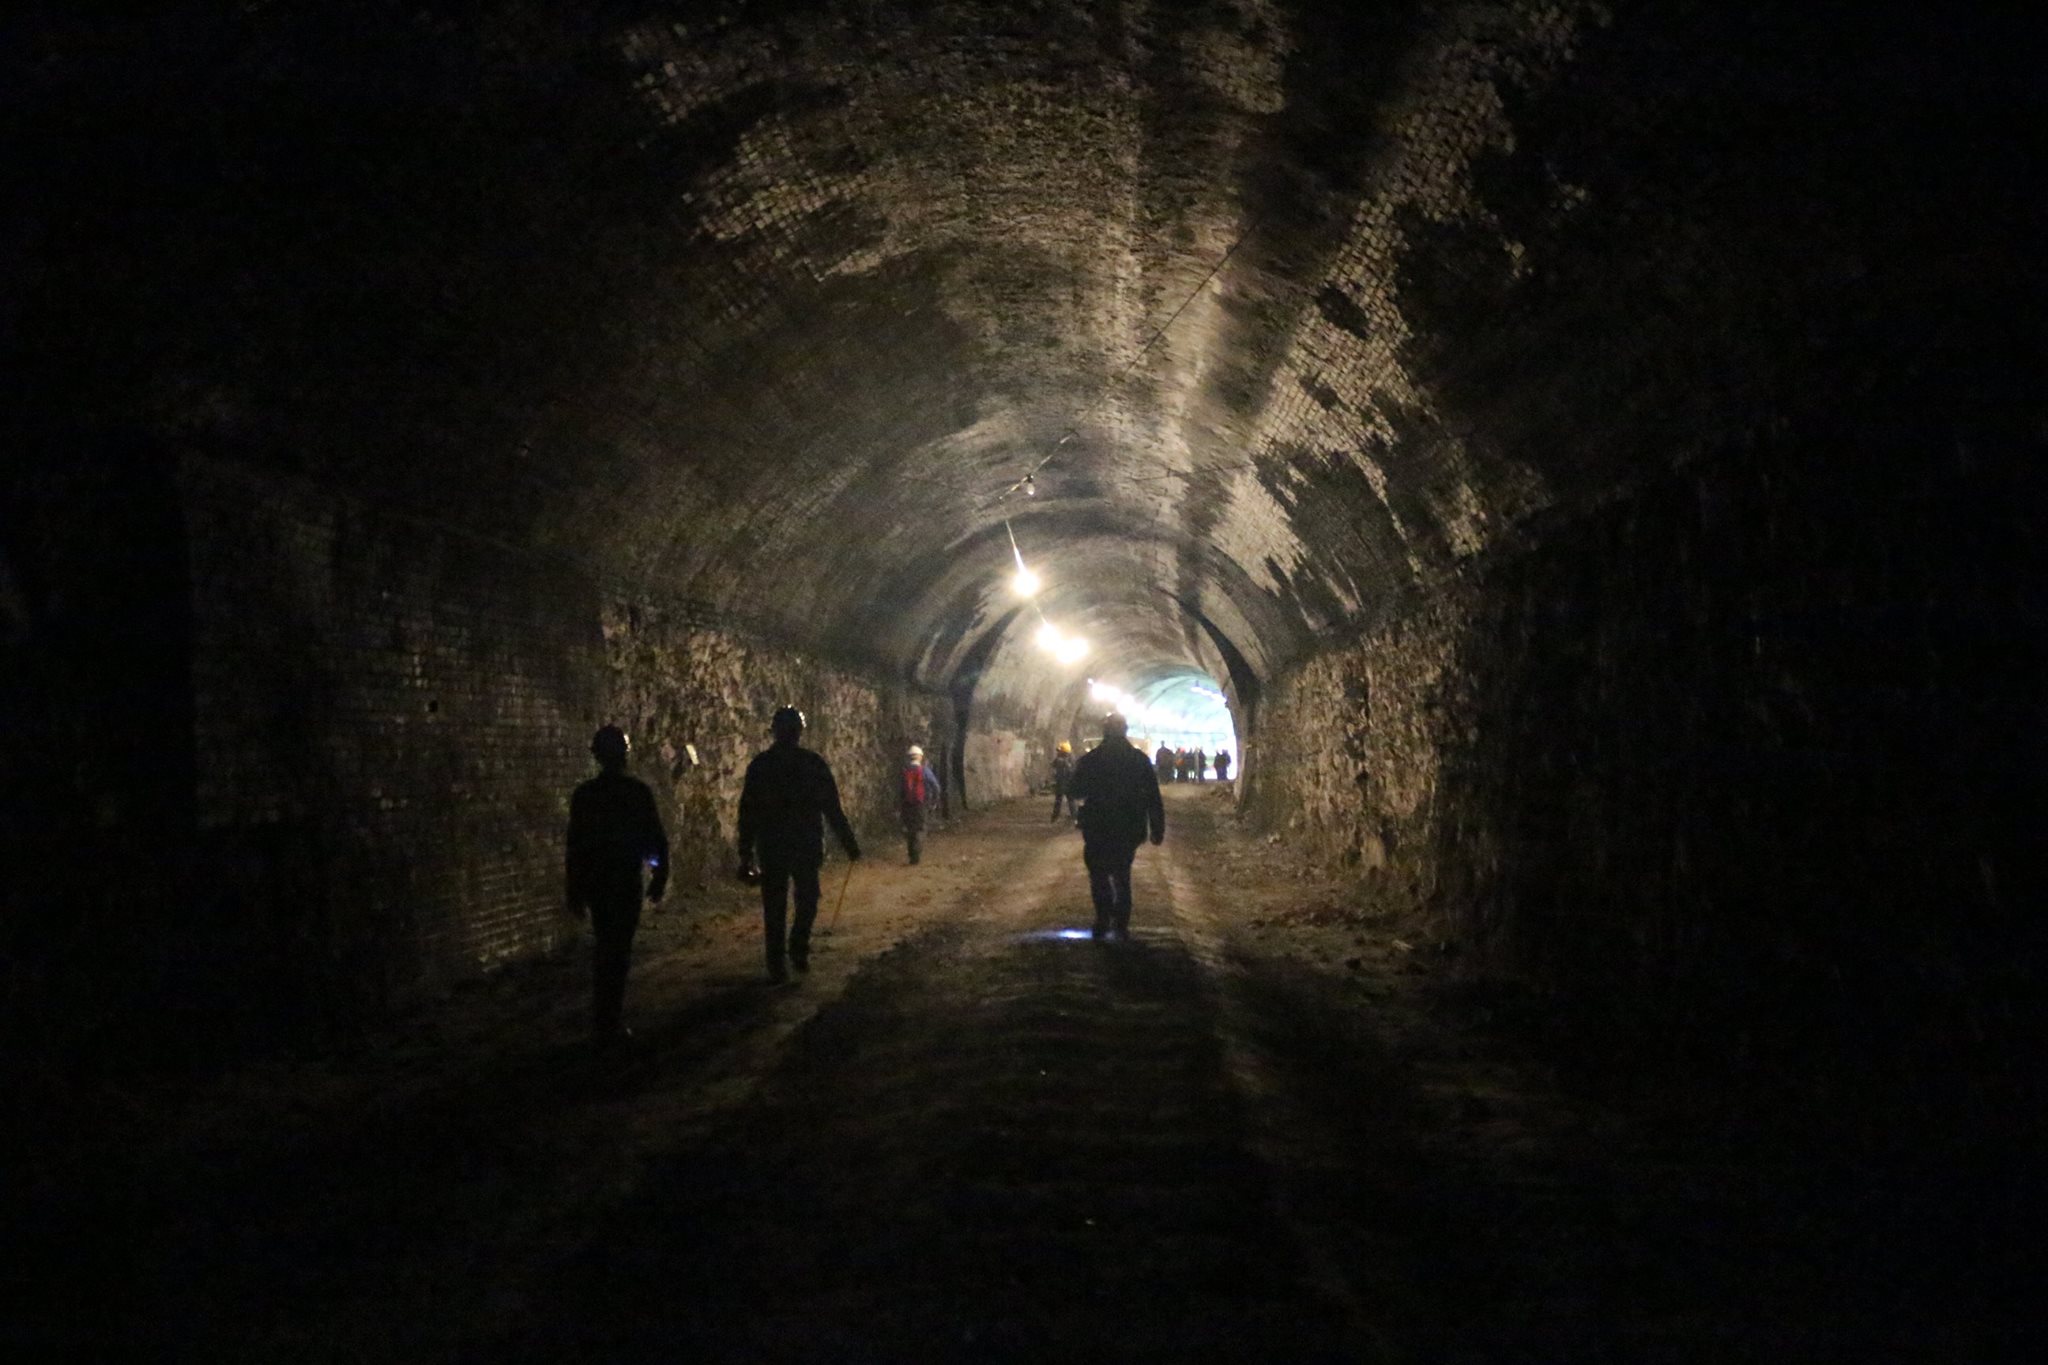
(831, 923)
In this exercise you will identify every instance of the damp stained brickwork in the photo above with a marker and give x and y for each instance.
(764, 307)
(1728, 752)
(846, 271)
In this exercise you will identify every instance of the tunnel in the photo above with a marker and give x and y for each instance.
(1584, 457)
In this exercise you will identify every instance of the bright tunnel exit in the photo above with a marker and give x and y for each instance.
(1182, 710)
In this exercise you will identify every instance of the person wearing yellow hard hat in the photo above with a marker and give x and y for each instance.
(1062, 774)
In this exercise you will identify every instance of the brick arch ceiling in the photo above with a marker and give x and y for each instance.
(767, 305)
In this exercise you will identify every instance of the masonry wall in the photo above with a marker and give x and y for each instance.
(678, 676)
(1016, 704)
(387, 719)
(1007, 754)
(1730, 747)
(1733, 769)
(376, 723)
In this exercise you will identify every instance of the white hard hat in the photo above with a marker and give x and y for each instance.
(916, 752)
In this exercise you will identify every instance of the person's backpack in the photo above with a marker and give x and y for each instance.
(913, 785)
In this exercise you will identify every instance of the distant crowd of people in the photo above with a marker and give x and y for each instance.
(1189, 765)
(617, 852)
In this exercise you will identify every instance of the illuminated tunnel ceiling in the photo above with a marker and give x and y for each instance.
(767, 305)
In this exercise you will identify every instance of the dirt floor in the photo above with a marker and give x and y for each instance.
(1273, 1126)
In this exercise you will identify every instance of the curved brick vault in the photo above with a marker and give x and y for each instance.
(1519, 406)
(766, 305)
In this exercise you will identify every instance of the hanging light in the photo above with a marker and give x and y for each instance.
(1068, 649)
(1024, 582)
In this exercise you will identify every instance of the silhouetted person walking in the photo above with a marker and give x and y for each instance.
(1062, 776)
(1120, 792)
(614, 831)
(917, 791)
(1201, 766)
(1223, 765)
(789, 795)
(1163, 761)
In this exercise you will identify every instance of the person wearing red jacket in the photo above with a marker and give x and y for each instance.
(917, 791)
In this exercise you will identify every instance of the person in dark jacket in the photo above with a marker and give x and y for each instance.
(1062, 776)
(1120, 795)
(1201, 766)
(789, 796)
(917, 791)
(1163, 761)
(1223, 765)
(614, 831)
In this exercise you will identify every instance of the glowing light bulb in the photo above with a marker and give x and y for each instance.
(1049, 637)
(1024, 582)
(1072, 651)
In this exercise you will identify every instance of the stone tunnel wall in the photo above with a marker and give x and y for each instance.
(390, 718)
(1728, 741)
(1735, 765)
(1007, 754)
(680, 676)
(323, 755)
(387, 720)
(1012, 720)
